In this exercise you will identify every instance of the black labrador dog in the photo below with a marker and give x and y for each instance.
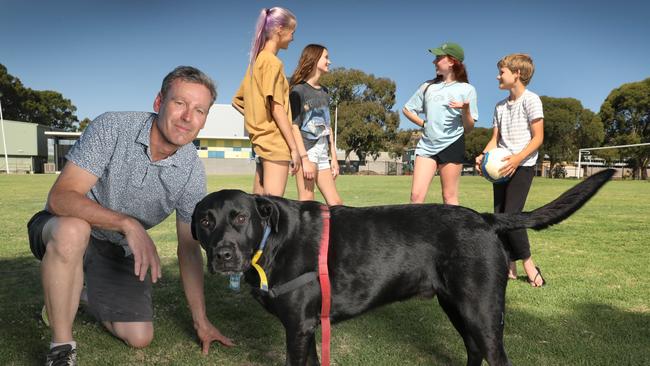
(377, 255)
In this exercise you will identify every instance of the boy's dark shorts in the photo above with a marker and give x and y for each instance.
(454, 153)
(115, 293)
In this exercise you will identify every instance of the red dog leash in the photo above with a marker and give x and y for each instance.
(323, 275)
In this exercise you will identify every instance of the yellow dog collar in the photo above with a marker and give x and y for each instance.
(264, 283)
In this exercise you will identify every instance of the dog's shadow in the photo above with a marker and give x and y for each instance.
(416, 326)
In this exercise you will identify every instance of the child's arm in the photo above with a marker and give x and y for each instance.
(308, 169)
(334, 165)
(238, 108)
(282, 120)
(238, 99)
(490, 145)
(468, 109)
(537, 137)
(413, 117)
(468, 120)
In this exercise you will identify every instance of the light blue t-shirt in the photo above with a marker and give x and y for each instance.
(444, 124)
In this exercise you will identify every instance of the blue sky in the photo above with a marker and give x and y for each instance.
(112, 55)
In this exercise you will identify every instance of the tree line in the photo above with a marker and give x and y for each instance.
(46, 107)
(368, 125)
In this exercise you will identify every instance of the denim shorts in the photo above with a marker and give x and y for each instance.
(319, 153)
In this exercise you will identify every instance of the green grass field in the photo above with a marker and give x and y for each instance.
(595, 309)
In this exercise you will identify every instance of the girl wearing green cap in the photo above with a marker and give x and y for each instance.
(448, 104)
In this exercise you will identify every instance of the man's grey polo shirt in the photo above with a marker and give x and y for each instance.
(115, 148)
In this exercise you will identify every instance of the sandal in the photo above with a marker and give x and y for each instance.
(539, 274)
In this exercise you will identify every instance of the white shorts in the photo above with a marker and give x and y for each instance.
(319, 153)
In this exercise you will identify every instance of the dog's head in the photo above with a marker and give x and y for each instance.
(229, 224)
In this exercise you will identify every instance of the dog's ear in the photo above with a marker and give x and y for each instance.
(268, 211)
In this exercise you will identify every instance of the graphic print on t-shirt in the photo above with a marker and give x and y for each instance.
(316, 120)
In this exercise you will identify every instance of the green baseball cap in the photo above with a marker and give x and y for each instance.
(452, 49)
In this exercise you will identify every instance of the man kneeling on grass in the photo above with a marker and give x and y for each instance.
(126, 174)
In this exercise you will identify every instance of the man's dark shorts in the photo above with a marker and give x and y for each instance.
(115, 293)
(454, 153)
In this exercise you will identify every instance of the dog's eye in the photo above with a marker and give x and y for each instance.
(205, 222)
(240, 219)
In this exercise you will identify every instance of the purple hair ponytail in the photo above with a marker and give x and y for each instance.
(268, 20)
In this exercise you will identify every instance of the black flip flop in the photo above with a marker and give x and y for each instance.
(539, 274)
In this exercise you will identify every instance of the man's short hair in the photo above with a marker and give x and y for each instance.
(191, 75)
(519, 62)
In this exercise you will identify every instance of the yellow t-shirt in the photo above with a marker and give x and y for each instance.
(254, 96)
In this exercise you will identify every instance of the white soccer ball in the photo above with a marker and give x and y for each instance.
(492, 163)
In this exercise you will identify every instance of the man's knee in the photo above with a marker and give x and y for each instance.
(134, 334)
(67, 237)
(139, 340)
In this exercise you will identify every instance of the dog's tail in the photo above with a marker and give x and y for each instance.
(554, 212)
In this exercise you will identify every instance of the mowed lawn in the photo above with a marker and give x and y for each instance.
(595, 309)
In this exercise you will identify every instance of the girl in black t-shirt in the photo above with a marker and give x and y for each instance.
(312, 127)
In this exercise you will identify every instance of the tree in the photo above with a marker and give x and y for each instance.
(567, 127)
(626, 115)
(365, 119)
(401, 141)
(590, 131)
(45, 107)
(50, 108)
(83, 124)
(560, 118)
(12, 95)
(475, 142)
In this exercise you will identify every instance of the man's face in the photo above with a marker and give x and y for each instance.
(183, 111)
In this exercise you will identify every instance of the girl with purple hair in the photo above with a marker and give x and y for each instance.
(263, 99)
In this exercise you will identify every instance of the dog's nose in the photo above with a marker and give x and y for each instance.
(224, 254)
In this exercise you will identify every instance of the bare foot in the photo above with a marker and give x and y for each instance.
(512, 271)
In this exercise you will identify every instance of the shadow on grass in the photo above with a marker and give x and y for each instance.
(414, 332)
(593, 334)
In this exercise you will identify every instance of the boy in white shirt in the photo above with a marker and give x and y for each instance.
(518, 125)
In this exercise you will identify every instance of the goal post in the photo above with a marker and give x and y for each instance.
(580, 151)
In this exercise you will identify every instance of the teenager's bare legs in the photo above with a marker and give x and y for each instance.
(327, 187)
(530, 269)
(450, 180)
(512, 270)
(531, 272)
(305, 186)
(423, 173)
(258, 188)
(62, 272)
(274, 177)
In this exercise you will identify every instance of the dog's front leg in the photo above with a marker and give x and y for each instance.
(312, 357)
(301, 347)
